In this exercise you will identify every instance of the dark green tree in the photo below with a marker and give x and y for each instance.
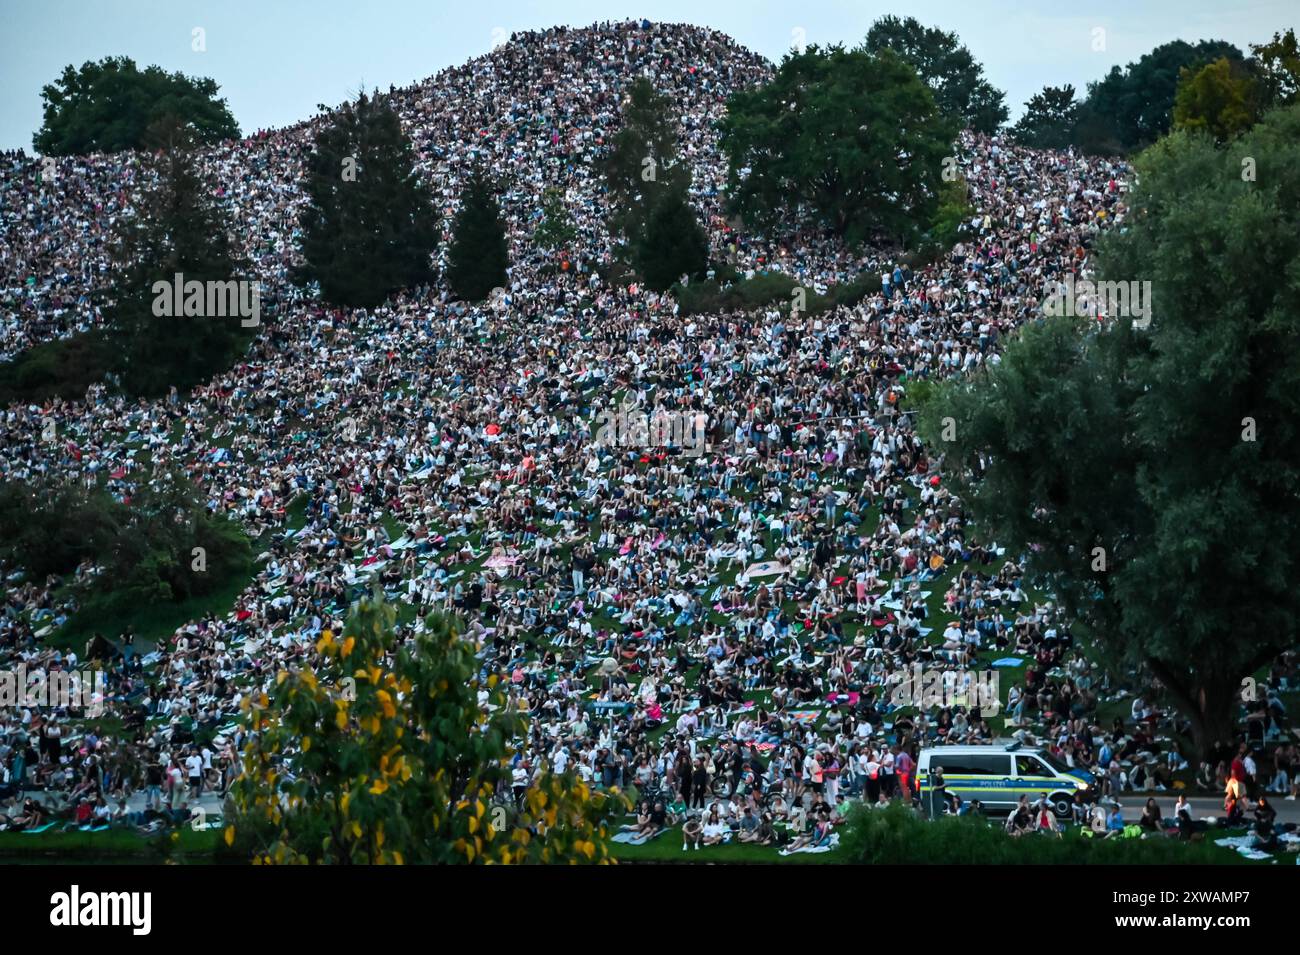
(369, 227)
(847, 140)
(1132, 107)
(1149, 475)
(1049, 119)
(641, 166)
(144, 548)
(178, 229)
(110, 105)
(479, 255)
(672, 244)
(954, 76)
(555, 231)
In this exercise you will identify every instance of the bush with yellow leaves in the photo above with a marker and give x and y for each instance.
(379, 752)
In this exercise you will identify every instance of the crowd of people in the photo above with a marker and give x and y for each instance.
(753, 600)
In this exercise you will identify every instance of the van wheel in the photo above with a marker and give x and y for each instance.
(1062, 805)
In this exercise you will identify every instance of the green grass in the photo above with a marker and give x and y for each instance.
(153, 623)
(115, 845)
(668, 848)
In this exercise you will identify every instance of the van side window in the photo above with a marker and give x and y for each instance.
(954, 765)
(994, 764)
(1031, 766)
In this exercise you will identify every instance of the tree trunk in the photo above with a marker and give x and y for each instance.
(1209, 706)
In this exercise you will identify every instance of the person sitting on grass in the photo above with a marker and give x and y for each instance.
(1115, 821)
(31, 817)
(765, 834)
(644, 826)
(1018, 821)
(820, 835)
(715, 830)
(1046, 819)
(692, 832)
(1152, 820)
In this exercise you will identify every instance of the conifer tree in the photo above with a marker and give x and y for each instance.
(649, 190)
(555, 230)
(177, 229)
(369, 228)
(671, 245)
(479, 256)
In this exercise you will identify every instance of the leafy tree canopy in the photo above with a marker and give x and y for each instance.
(954, 76)
(846, 140)
(1131, 108)
(641, 166)
(672, 244)
(1223, 98)
(1278, 64)
(1149, 476)
(110, 105)
(1049, 119)
(555, 231)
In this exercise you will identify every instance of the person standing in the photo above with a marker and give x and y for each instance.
(699, 784)
(153, 781)
(194, 769)
(903, 767)
(175, 784)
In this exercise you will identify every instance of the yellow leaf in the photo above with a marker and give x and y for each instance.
(348, 644)
(306, 743)
(230, 835)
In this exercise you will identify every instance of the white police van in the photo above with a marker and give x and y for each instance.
(998, 774)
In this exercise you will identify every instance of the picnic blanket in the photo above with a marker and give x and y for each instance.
(1008, 662)
(834, 842)
(632, 838)
(767, 568)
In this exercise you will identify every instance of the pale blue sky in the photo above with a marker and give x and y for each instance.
(276, 59)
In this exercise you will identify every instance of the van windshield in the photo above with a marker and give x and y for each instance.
(1055, 763)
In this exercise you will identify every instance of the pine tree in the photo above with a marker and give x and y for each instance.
(641, 166)
(177, 229)
(479, 256)
(369, 228)
(649, 188)
(556, 230)
(671, 245)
